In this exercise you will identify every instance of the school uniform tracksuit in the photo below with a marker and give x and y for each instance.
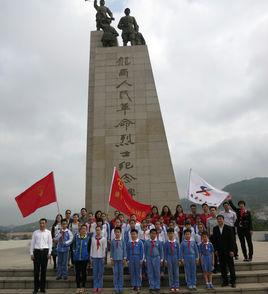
(135, 255)
(189, 253)
(153, 250)
(97, 255)
(206, 252)
(118, 254)
(81, 250)
(64, 239)
(172, 256)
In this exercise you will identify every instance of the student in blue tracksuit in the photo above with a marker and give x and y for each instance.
(81, 252)
(97, 255)
(118, 257)
(154, 256)
(189, 256)
(64, 239)
(131, 226)
(135, 256)
(172, 257)
(206, 250)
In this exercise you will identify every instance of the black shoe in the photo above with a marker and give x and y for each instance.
(43, 291)
(214, 271)
(58, 278)
(35, 292)
(233, 285)
(224, 284)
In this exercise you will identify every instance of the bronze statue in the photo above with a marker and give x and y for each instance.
(104, 15)
(129, 28)
(109, 38)
(139, 39)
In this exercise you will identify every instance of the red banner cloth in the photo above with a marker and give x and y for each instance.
(38, 195)
(123, 201)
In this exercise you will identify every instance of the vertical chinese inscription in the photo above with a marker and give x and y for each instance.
(126, 125)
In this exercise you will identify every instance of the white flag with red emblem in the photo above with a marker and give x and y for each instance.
(202, 192)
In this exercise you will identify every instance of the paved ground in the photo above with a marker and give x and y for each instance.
(15, 254)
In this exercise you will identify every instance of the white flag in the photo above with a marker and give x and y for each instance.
(202, 192)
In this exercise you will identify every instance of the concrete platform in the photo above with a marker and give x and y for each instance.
(16, 274)
(15, 254)
(260, 288)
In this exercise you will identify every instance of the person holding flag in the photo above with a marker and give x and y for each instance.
(122, 200)
(201, 192)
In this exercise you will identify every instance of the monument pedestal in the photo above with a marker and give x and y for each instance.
(125, 128)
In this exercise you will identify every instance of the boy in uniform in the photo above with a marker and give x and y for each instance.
(97, 255)
(189, 257)
(135, 256)
(118, 257)
(154, 257)
(64, 239)
(172, 257)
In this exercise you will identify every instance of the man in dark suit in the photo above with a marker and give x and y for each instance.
(224, 247)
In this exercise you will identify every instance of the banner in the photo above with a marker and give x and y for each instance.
(38, 195)
(202, 192)
(122, 200)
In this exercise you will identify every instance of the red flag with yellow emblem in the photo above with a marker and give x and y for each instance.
(38, 195)
(122, 200)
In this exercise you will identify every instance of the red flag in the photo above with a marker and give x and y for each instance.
(38, 195)
(121, 199)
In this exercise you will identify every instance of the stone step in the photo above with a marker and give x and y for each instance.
(254, 288)
(239, 266)
(260, 276)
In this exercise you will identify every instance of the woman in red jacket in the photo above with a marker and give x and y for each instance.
(180, 217)
(166, 214)
(155, 214)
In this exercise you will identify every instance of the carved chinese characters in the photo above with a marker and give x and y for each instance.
(126, 125)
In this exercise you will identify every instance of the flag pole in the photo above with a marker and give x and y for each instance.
(108, 203)
(58, 207)
(189, 179)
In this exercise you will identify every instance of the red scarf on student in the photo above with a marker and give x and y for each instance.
(98, 243)
(152, 247)
(188, 244)
(171, 247)
(117, 243)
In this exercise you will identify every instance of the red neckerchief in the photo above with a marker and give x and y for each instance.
(62, 236)
(152, 247)
(117, 242)
(98, 243)
(188, 244)
(172, 243)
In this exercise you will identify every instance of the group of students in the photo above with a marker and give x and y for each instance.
(160, 241)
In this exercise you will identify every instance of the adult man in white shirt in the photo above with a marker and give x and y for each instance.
(41, 247)
(230, 219)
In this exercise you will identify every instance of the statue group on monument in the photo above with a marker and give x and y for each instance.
(127, 23)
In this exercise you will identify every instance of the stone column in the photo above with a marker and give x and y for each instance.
(125, 128)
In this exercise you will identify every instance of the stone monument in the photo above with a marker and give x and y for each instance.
(125, 127)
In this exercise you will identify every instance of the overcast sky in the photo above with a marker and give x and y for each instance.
(210, 64)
